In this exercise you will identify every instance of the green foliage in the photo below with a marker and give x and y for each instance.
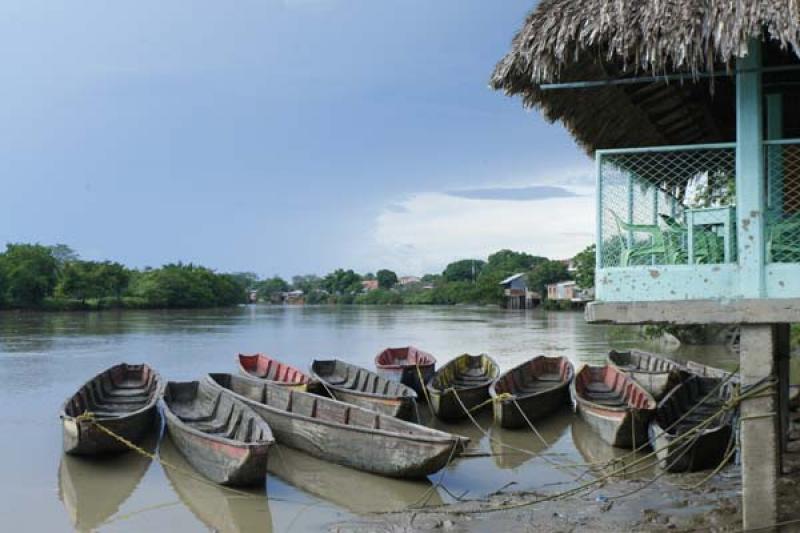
(270, 288)
(29, 274)
(186, 286)
(386, 279)
(308, 283)
(342, 283)
(546, 273)
(63, 253)
(509, 262)
(585, 266)
(463, 270)
(91, 279)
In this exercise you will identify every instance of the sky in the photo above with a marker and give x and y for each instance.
(278, 136)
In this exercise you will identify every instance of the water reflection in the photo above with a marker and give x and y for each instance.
(92, 490)
(503, 441)
(360, 492)
(596, 451)
(218, 508)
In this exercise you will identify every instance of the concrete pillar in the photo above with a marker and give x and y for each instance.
(760, 426)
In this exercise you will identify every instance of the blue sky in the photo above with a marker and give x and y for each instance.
(278, 136)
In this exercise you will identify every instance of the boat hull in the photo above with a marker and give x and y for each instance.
(222, 463)
(446, 406)
(83, 437)
(507, 415)
(403, 408)
(625, 429)
(464, 380)
(691, 454)
(379, 444)
(405, 365)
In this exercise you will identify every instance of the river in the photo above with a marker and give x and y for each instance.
(45, 357)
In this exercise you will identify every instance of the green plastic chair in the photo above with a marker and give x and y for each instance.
(783, 242)
(631, 251)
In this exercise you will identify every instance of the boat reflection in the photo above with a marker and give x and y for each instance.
(357, 491)
(552, 429)
(608, 458)
(92, 490)
(219, 508)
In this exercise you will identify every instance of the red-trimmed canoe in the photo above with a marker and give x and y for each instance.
(353, 384)
(264, 367)
(122, 399)
(343, 433)
(220, 436)
(614, 405)
(540, 386)
(405, 365)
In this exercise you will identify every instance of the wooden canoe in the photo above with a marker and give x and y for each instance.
(342, 433)
(122, 399)
(268, 368)
(222, 438)
(540, 386)
(406, 365)
(656, 373)
(686, 406)
(614, 405)
(469, 376)
(358, 386)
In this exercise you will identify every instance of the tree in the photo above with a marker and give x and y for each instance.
(386, 279)
(269, 288)
(308, 283)
(342, 282)
(30, 273)
(63, 253)
(546, 273)
(510, 262)
(91, 279)
(584, 267)
(463, 270)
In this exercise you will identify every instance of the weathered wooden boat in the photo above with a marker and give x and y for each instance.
(407, 365)
(93, 489)
(656, 373)
(687, 405)
(223, 439)
(613, 404)
(356, 385)
(270, 369)
(469, 377)
(241, 511)
(356, 491)
(539, 386)
(121, 399)
(706, 371)
(343, 433)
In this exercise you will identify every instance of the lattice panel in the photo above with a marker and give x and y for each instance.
(782, 234)
(667, 206)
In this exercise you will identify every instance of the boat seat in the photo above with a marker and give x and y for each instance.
(549, 377)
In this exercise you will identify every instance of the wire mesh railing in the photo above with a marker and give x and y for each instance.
(667, 205)
(782, 220)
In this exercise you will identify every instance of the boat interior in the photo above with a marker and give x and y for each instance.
(118, 391)
(264, 367)
(405, 356)
(696, 399)
(642, 361)
(339, 374)
(537, 375)
(465, 372)
(608, 387)
(214, 412)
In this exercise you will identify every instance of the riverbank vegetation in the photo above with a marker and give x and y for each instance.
(33, 276)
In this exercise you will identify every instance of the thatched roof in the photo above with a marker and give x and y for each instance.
(584, 40)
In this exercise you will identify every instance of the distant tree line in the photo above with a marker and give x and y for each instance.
(33, 276)
(466, 281)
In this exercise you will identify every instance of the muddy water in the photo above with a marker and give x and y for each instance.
(45, 357)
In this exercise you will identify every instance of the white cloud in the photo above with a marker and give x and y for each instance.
(428, 230)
